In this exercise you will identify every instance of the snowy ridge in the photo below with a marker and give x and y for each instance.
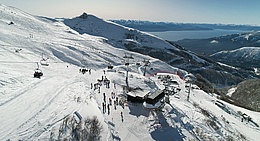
(247, 53)
(116, 34)
(252, 36)
(43, 109)
(245, 56)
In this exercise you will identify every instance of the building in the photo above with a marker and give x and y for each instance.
(154, 97)
(136, 96)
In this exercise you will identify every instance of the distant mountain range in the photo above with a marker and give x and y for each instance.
(171, 26)
(227, 42)
(239, 50)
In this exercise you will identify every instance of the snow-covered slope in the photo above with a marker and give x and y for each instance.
(44, 109)
(115, 34)
(125, 37)
(246, 56)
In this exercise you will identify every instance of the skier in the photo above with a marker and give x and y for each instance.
(104, 107)
(108, 109)
(116, 100)
(104, 97)
(110, 101)
(115, 104)
(122, 117)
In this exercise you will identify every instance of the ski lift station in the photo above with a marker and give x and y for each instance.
(150, 99)
(136, 97)
(153, 99)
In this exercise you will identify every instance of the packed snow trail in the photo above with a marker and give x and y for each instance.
(42, 103)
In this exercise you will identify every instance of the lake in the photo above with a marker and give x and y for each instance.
(200, 34)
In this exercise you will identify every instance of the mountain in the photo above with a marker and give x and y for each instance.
(226, 42)
(171, 26)
(65, 104)
(208, 71)
(245, 57)
(247, 93)
(115, 34)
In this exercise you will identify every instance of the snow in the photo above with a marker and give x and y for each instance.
(222, 64)
(214, 42)
(115, 33)
(231, 91)
(246, 53)
(33, 109)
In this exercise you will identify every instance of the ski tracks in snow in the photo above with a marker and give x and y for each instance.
(38, 97)
(23, 90)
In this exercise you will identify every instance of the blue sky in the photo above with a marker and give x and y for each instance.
(188, 11)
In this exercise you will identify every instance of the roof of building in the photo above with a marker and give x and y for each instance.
(138, 93)
(154, 94)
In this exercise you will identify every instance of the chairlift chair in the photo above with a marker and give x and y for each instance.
(37, 73)
(44, 63)
(110, 67)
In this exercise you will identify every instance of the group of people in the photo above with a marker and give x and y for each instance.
(84, 70)
(107, 101)
(113, 100)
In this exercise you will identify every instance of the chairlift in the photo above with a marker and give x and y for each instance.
(37, 72)
(110, 67)
(146, 62)
(44, 62)
(18, 50)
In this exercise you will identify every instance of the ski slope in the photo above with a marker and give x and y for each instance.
(35, 109)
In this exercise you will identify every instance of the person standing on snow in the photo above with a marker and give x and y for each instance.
(122, 117)
(108, 109)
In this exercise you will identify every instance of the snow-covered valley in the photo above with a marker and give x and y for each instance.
(38, 109)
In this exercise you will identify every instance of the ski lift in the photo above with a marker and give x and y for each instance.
(44, 61)
(110, 67)
(18, 50)
(37, 72)
(146, 62)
